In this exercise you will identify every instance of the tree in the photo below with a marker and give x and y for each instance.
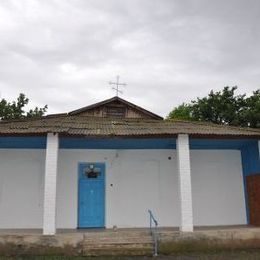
(15, 109)
(250, 115)
(183, 111)
(222, 107)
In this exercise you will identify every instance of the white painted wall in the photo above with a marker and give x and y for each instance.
(145, 179)
(217, 188)
(21, 188)
(141, 179)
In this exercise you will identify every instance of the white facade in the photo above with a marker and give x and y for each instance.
(217, 188)
(141, 179)
(21, 188)
(136, 180)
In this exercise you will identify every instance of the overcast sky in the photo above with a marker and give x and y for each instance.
(64, 52)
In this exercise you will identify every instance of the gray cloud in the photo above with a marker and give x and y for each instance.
(63, 53)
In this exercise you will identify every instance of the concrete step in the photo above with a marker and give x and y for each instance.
(117, 245)
(116, 237)
(118, 241)
(114, 242)
(117, 249)
(166, 235)
(117, 233)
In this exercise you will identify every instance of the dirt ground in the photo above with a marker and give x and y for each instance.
(252, 255)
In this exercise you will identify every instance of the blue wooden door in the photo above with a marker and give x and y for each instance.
(91, 195)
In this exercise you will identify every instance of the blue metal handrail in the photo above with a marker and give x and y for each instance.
(154, 231)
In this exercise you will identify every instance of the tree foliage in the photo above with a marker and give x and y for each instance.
(15, 109)
(222, 107)
(183, 111)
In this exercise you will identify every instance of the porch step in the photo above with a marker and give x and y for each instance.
(166, 235)
(118, 242)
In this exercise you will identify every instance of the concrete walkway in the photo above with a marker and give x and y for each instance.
(135, 241)
(217, 232)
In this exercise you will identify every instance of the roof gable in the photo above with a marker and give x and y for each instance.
(115, 107)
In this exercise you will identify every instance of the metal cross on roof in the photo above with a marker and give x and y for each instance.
(117, 85)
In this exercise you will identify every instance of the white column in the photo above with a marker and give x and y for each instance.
(49, 208)
(259, 147)
(183, 158)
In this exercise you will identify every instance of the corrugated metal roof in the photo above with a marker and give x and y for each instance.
(94, 126)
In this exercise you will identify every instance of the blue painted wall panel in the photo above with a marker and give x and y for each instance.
(218, 144)
(116, 143)
(25, 142)
(250, 159)
(250, 165)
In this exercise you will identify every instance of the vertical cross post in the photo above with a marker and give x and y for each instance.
(117, 84)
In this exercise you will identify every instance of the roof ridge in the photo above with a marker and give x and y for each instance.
(28, 119)
(15, 120)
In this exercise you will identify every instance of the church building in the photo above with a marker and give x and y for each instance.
(105, 165)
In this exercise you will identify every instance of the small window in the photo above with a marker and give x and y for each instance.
(116, 111)
(92, 173)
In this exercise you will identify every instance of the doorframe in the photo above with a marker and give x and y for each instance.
(78, 178)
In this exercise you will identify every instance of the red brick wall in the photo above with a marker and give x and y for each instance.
(253, 193)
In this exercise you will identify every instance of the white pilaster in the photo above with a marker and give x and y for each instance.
(259, 147)
(183, 158)
(49, 209)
